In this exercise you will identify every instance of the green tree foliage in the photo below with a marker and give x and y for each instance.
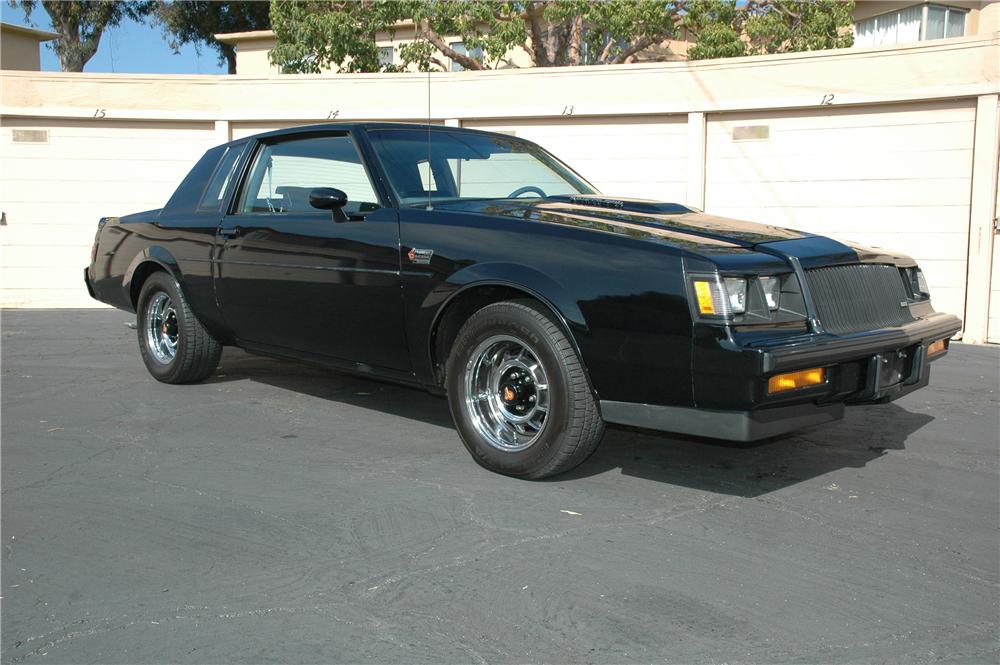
(81, 24)
(725, 29)
(198, 21)
(316, 35)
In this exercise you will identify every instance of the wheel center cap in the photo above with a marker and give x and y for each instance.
(509, 394)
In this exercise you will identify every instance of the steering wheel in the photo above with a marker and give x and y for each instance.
(524, 190)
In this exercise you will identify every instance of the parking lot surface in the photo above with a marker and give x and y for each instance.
(281, 513)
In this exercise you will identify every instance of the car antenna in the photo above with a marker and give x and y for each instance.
(430, 205)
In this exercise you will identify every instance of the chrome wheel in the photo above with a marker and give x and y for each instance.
(162, 332)
(506, 393)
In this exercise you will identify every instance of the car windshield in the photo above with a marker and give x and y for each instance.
(464, 166)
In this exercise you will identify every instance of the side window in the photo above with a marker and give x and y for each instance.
(283, 175)
(212, 198)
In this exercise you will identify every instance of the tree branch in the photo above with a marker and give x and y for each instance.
(632, 49)
(437, 42)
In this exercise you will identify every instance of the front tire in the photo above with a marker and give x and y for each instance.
(518, 393)
(174, 345)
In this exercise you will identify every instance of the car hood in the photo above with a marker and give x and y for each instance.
(638, 218)
(677, 225)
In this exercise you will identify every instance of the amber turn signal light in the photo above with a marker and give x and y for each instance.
(937, 348)
(793, 380)
(703, 291)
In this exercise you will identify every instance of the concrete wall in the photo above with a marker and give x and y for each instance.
(891, 146)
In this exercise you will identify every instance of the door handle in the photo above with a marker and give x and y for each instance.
(234, 232)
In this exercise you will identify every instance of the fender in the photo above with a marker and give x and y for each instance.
(513, 275)
(152, 254)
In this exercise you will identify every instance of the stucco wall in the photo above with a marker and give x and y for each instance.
(19, 51)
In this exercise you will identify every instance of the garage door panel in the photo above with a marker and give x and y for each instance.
(875, 167)
(883, 115)
(849, 193)
(123, 193)
(897, 176)
(87, 213)
(856, 219)
(55, 191)
(53, 298)
(32, 256)
(101, 170)
(16, 234)
(636, 157)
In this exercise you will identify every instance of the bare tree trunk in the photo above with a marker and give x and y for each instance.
(575, 40)
(73, 52)
(229, 53)
(535, 13)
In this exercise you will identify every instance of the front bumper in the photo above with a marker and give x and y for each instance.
(730, 377)
(812, 350)
(731, 425)
(88, 283)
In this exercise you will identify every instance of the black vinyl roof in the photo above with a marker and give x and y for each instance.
(355, 126)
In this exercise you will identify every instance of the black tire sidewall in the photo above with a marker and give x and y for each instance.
(161, 282)
(520, 324)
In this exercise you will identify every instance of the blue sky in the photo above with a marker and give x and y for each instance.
(131, 47)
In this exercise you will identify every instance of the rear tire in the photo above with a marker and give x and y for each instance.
(174, 345)
(518, 393)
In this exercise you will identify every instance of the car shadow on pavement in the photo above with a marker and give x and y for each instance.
(329, 384)
(756, 468)
(739, 469)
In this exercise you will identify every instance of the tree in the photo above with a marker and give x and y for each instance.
(81, 24)
(315, 35)
(725, 28)
(198, 21)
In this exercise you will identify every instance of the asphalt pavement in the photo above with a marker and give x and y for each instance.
(281, 513)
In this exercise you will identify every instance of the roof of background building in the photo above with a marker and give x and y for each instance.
(40, 35)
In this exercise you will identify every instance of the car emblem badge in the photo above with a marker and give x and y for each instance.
(508, 394)
(421, 256)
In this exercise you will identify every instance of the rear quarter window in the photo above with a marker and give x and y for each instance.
(211, 200)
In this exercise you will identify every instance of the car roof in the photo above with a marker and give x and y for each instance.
(354, 126)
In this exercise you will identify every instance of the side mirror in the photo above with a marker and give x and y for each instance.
(328, 198)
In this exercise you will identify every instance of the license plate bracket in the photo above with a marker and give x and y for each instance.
(894, 367)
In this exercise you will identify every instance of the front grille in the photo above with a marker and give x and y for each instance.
(860, 297)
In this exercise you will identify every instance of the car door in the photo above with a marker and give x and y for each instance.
(291, 278)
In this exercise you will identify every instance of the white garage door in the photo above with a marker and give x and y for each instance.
(60, 177)
(894, 176)
(644, 157)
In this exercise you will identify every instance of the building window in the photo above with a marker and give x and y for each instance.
(459, 47)
(912, 24)
(386, 56)
(944, 22)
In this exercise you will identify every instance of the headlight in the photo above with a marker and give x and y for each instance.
(916, 283)
(772, 291)
(717, 297)
(736, 290)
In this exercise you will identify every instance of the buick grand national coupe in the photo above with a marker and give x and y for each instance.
(480, 266)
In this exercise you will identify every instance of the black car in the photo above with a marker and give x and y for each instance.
(480, 266)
